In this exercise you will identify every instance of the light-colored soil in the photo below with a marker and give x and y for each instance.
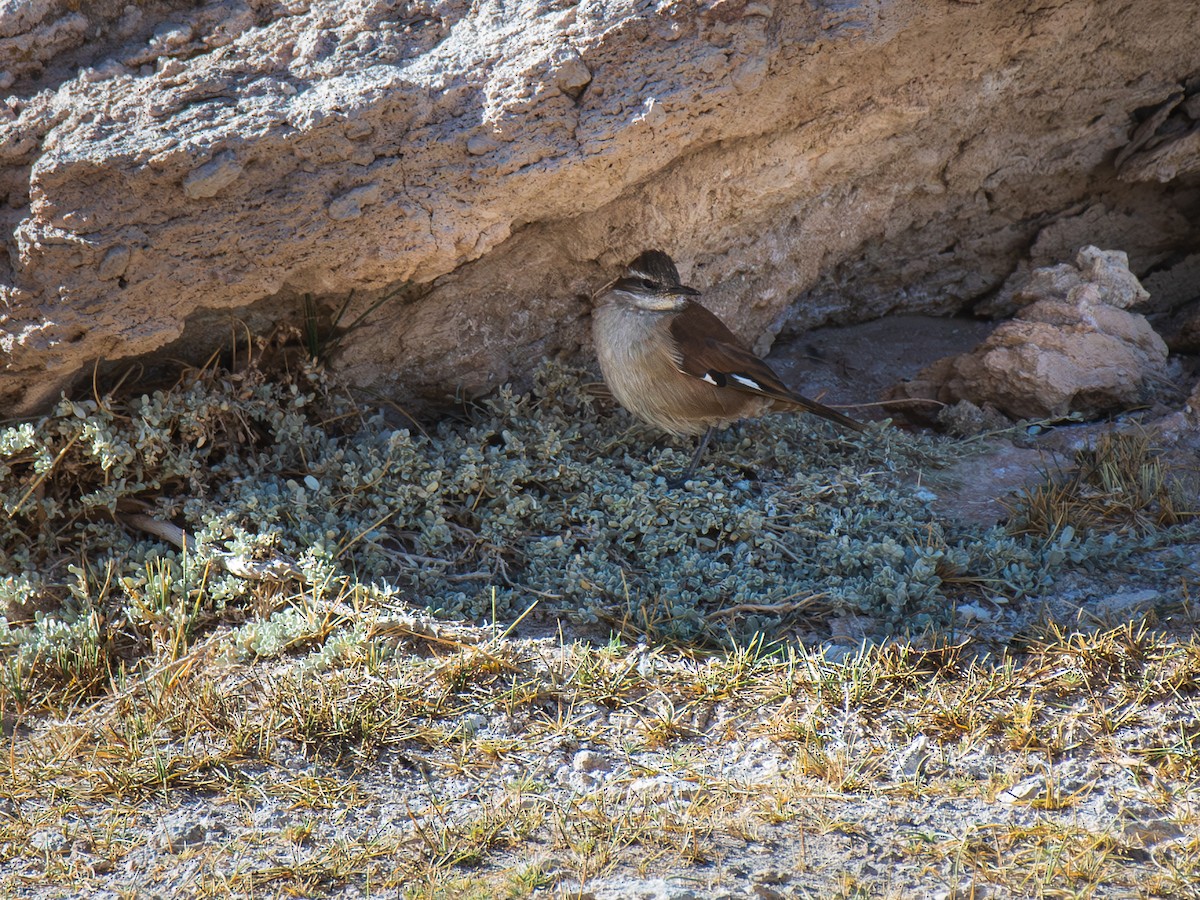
(535, 767)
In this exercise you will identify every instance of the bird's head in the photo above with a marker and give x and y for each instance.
(651, 282)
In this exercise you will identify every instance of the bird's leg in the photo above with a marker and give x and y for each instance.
(704, 439)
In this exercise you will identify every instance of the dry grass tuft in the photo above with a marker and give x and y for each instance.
(1121, 483)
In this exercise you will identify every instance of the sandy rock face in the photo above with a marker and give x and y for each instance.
(177, 172)
(1074, 348)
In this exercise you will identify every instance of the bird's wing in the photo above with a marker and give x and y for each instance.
(708, 350)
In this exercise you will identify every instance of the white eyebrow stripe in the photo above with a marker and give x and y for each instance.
(745, 382)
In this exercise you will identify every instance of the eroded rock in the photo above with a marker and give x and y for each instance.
(169, 166)
(1074, 347)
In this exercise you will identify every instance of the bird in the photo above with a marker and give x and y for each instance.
(673, 364)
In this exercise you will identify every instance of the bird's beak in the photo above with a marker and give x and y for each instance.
(685, 291)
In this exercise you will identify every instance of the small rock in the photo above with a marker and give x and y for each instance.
(589, 761)
(973, 612)
(114, 263)
(101, 865)
(964, 890)
(652, 113)
(357, 129)
(102, 71)
(1126, 602)
(663, 787)
(169, 67)
(640, 889)
(1145, 833)
(481, 144)
(48, 841)
(350, 204)
(1024, 791)
(213, 177)
(180, 830)
(1073, 348)
(571, 75)
(911, 760)
(924, 495)
(965, 419)
(170, 36)
(771, 876)
(473, 723)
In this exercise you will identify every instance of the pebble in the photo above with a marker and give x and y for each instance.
(213, 177)
(1023, 791)
(473, 723)
(48, 841)
(589, 761)
(1146, 833)
(911, 760)
(180, 830)
(1126, 602)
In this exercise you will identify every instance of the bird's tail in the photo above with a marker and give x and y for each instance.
(797, 402)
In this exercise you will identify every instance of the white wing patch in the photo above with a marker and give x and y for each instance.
(745, 382)
(708, 377)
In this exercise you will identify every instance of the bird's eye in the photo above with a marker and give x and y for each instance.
(649, 285)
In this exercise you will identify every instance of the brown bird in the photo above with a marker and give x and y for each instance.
(674, 364)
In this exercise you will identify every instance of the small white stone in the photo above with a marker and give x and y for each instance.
(473, 723)
(1024, 791)
(973, 612)
(47, 841)
(911, 760)
(963, 890)
(102, 71)
(170, 36)
(168, 67)
(589, 761)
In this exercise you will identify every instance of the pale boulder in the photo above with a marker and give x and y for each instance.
(1074, 348)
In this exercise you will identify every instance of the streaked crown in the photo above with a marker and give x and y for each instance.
(651, 282)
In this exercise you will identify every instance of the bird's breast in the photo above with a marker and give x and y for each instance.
(637, 355)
